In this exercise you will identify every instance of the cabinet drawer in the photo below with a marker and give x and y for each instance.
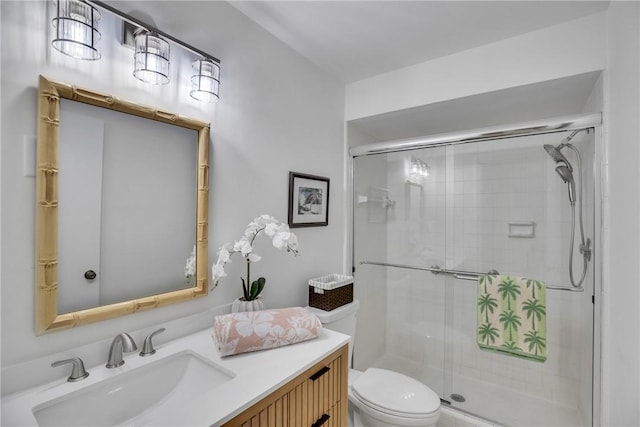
(331, 418)
(324, 388)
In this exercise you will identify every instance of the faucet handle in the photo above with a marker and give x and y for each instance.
(147, 347)
(77, 372)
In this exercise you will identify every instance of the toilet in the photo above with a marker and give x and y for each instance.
(380, 397)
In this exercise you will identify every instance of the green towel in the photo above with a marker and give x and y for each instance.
(512, 316)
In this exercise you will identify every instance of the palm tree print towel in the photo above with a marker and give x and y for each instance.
(512, 316)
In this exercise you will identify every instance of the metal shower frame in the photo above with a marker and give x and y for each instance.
(577, 122)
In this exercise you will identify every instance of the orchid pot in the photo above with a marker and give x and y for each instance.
(240, 305)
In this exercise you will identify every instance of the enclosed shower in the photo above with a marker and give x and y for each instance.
(430, 215)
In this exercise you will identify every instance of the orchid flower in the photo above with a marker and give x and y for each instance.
(190, 266)
(282, 238)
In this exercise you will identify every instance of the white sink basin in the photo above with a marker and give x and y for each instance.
(137, 397)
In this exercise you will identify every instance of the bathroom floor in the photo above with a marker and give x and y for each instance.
(506, 405)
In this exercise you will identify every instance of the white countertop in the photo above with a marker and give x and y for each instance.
(255, 375)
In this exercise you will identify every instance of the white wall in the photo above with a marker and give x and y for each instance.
(278, 113)
(621, 373)
(554, 52)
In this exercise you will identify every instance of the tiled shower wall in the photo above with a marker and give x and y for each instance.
(459, 218)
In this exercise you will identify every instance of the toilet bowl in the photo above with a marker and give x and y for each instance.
(381, 397)
(386, 398)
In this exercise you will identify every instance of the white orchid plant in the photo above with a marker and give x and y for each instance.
(281, 237)
(190, 266)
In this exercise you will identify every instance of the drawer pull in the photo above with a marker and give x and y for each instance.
(320, 373)
(323, 419)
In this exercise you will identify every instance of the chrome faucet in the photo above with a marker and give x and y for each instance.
(121, 343)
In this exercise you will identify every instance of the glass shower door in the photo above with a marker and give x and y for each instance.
(473, 208)
(399, 232)
(511, 212)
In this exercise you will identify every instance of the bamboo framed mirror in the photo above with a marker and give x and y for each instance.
(143, 212)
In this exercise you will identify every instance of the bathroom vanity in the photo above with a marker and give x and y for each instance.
(186, 382)
(317, 397)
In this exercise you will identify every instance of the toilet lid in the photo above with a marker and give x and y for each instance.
(393, 392)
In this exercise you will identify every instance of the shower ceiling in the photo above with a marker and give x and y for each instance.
(555, 98)
(353, 40)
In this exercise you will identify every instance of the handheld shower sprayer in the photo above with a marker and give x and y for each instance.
(565, 171)
(567, 177)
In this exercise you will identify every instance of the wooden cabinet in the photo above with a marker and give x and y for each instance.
(317, 397)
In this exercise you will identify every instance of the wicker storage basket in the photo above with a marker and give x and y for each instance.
(330, 292)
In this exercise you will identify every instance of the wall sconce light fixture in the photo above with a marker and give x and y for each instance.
(76, 32)
(151, 59)
(76, 35)
(418, 170)
(205, 83)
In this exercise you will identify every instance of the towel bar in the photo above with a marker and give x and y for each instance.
(459, 274)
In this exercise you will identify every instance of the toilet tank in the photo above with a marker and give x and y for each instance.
(342, 319)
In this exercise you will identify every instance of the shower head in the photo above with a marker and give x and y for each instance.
(565, 173)
(567, 177)
(557, 156)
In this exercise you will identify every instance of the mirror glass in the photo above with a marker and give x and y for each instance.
(127, 206)
(121, 214)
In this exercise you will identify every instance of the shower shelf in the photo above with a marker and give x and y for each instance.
(460, 274)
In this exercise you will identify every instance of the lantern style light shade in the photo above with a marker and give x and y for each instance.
(205, 83)
(76, 32)
(418, 170)
(151, 59)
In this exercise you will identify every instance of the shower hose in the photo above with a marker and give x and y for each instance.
(584, 246)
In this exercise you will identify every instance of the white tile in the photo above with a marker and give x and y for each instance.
(470, 172)
(470, 187)
(469, 200)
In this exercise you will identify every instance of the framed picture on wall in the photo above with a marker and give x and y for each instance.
(308, 200)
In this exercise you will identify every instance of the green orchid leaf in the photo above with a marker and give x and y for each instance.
(253, 292)
(261, 282)
(256, 287)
